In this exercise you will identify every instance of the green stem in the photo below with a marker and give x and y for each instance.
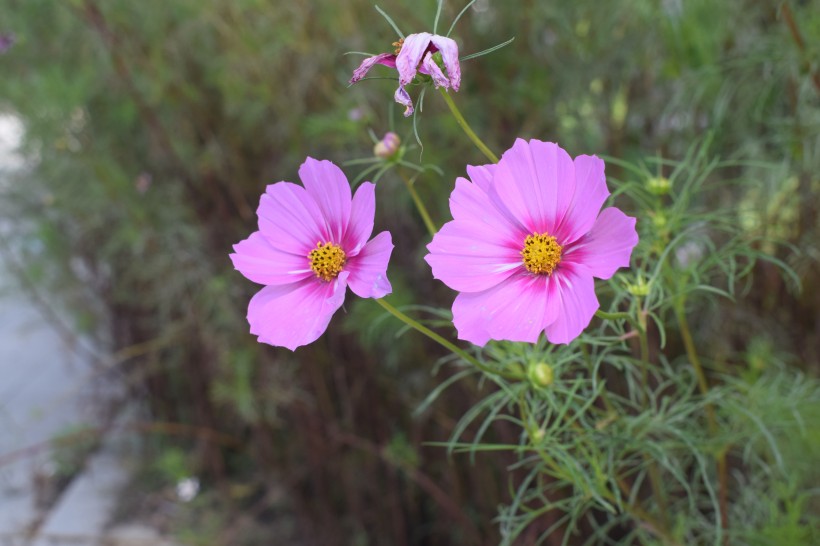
(425, 216)
(603, 315)
(444, 343)
(466, 127)
(711, 419)
(654, 472)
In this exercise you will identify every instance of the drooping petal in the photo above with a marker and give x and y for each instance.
(290, 219)
(449, 54)
(387, 59)
(402, 97)
(362, 213)
(576, 301)
(368, 270)
(482, 175)
(515, 310)
(429, 67)
(411, 54)
(470, 257)
(608, 246)
(590, 194)
(293, 315)
(328, 186)
(535, 181)
(262, 263)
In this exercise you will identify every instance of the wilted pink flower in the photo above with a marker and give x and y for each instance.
(525, 242)
(414, 55)
(311, 244)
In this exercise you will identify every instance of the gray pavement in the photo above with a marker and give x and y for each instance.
(48, 391)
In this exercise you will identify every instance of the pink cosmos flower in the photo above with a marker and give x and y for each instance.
(414, 55)
(311, 245)
(525, 242)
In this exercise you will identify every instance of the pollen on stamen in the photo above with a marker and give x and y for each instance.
(398, 45)
(327, 260)
(541, 253)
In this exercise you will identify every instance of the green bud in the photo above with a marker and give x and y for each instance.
(660, 185)
(659, 220)
(639, 288)
(541, 375)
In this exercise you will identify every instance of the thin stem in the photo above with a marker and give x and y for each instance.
(655, 526)
(603, 315)
(786, 10)
(466, 127)
(425, 216)
(703, 385)
(443, 342)
(654, 473)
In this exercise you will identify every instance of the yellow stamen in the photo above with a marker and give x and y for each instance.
(541, 253)
(398, 46)
(327, 260)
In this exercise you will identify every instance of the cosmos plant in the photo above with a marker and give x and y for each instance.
(617, 439)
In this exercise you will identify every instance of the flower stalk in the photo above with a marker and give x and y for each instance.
(444, 343)
(466, 127)
(425, 216)
(711, 419)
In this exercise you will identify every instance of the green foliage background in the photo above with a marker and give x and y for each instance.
(153, 127)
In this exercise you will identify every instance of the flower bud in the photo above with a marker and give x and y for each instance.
(660, 185)
(387, 146)
(541, 374)
(639, 288)
(659, 221)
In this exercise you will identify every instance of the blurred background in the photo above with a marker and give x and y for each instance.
(137, 138)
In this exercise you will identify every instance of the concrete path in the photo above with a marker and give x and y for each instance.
(48, 392)
(43, 395)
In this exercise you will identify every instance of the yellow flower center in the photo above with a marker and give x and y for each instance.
(541, 253)
(398, 45)
(327, 260)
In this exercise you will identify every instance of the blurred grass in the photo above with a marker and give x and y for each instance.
(152, 129)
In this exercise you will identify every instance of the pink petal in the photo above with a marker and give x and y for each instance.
(590, 194)
(482, 175)
(449, 54)
(368, 270)
(403, 98)
(472, 203)
(577, 303)
(535, 181)
(260, 262)
(293, 315)
(362, 212)
(411, 54)
(517, 309)
(290, 219)
(328, 186)
(387, 59)
(429, 67)
(608, 246)
(469, 257)
(469, 203)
